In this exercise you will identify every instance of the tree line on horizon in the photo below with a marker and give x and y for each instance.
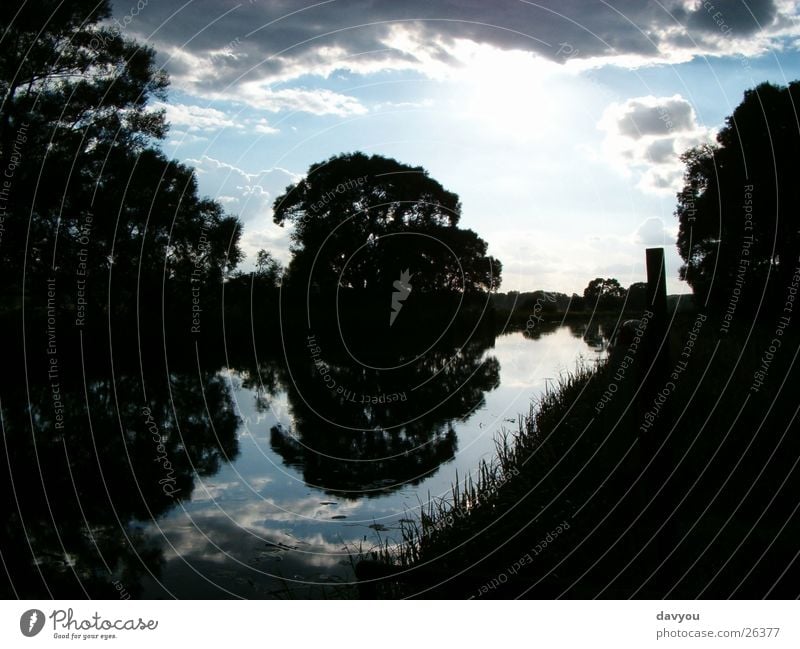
(600, 294)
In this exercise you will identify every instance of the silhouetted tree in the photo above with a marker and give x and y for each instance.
(90, 190)
(577, 303)
(360, 221)
(268, 269)
(603, 294)
(637, 296)
(739, 204)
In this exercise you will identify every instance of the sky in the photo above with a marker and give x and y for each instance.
(559, 123)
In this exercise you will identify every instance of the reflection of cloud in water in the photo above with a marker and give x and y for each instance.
(522, 370)
(251, 551)
(209, 490)
(265, 519)
(256, 421)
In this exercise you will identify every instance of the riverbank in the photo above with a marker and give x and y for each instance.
(606, 490)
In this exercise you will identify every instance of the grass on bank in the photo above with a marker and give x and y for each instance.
(702, 504)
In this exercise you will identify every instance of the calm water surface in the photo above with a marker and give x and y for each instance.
(280, 518)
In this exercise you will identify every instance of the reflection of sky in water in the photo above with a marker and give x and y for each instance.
(255, 529)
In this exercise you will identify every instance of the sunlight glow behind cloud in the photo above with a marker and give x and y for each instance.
(566, 174)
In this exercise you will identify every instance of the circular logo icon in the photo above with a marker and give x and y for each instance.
(31, 622)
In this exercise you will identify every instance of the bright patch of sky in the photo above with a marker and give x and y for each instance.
(566, 160)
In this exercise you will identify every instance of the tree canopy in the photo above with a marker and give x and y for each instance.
(361, 221)
(738, 208)
(89, 189)
(603, 293)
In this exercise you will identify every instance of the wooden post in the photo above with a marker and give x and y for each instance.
(656, 360)
(657, 294)
(658, 459)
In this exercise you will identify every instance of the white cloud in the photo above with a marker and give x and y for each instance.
(403, 105)
(268, 236)
(645, 137)
(191, 119)
(318, 101)
(207, 164)
(200, 75)
(654, 232)
(182, 137)
(263, 127)
(248, 195)
(195, 118)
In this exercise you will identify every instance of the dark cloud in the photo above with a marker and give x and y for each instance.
(669, 116)
(291, 27)
(271, 39)
(661, 151)
(735, 17)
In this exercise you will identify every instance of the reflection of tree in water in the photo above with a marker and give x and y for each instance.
(74, 494)
(535, 330)
(261, 378)
(385, 428)
(595, 335)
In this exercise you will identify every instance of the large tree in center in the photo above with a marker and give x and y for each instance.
(603, 293)
(361, 221)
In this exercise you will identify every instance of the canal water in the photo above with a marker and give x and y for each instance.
(332, 463)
